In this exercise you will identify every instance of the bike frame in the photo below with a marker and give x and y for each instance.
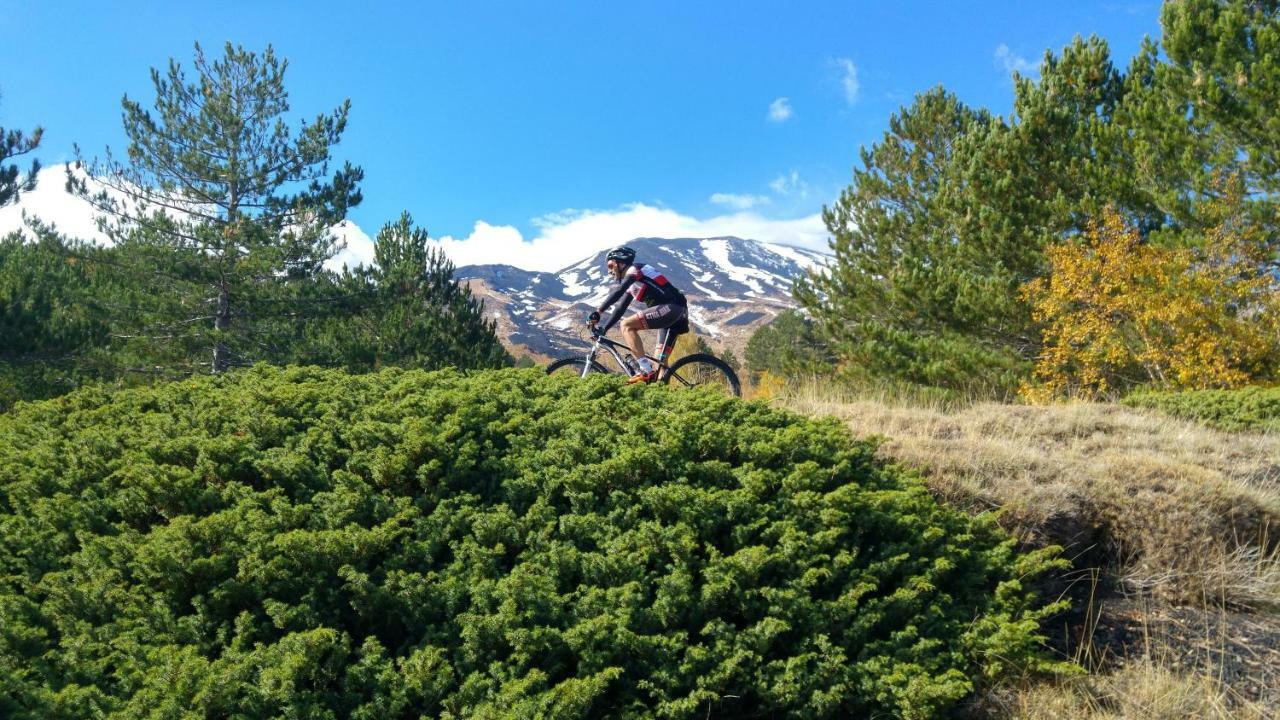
(612, 347)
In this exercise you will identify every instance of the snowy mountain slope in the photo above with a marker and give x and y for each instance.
(733, 285)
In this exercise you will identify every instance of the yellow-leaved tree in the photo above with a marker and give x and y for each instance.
(1117, 311)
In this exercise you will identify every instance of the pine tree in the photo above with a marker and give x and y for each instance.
(406, 310)
(223, 210)
(898, 298)
(789, 346)
(950, 214)
(730, 359)
(52, 317)
(1223, 77)
(1172, 151)
(1228, 50)
(12, 144)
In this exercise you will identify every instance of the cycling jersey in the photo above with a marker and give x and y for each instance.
(649, 286)
(645, 284)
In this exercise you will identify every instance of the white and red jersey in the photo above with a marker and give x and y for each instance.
(648, 285)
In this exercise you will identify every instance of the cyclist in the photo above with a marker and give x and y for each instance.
(666, 309)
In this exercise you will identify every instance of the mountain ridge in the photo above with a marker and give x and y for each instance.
(734, 285)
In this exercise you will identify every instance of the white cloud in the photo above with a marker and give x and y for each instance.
(1136, 8)
(51, 203)
(739, 202)
(849, 80)
(562, 238)
(789, 184)
(565, 238)
(1013, 62)
(780, 110)
(75, 218)
(357, 250)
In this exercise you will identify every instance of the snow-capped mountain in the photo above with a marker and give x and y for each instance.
(733, 286)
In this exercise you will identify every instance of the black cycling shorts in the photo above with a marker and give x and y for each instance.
(663, 316)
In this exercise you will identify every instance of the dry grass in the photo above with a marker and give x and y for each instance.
(1183, 520)
(1174, 509)
(1143, 689)
(1180, 664)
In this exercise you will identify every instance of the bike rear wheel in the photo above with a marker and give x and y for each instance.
(573, 366)
(702, 370)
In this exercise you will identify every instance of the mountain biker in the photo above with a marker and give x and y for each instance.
(666, 309)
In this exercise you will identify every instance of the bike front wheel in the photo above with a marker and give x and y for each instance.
(702, 370)
(574, 366)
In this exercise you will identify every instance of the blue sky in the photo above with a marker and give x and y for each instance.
(496, 123)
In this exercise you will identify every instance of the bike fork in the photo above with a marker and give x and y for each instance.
(591, 358)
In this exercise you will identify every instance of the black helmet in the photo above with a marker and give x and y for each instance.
(623, 255)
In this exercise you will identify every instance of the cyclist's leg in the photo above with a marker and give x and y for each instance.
(631, 327)
(654, 318)
(677, 329)
(658, 317)
(668, 318)
(666, 343)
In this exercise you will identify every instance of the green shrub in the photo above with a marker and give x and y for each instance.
(307, 543)
(1251, 408)
(790, 345)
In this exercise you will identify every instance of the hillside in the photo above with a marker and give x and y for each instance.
(733, 285)
(1171, 527)
(309, 543)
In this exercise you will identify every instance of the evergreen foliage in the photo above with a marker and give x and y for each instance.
(1228, 52)
(893, 300)
(307, 543)
(406, 310)
(1250, 408)
(221, 221)
(1189, 118)
(221, 207)
(50, 315)
(951, 213)
(64, 306)
(14, 143)
(730, 359)
(948, 218)
(789, 346)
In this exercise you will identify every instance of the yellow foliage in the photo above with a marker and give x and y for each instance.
(768, 385)
(686, 344)
(1117, 311)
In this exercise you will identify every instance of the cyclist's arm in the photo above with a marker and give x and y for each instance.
(617, 315)
(613, 298)
(617, 293)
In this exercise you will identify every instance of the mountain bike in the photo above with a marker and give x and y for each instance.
(696, 370)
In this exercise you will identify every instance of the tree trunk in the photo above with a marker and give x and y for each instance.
(222, 321)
